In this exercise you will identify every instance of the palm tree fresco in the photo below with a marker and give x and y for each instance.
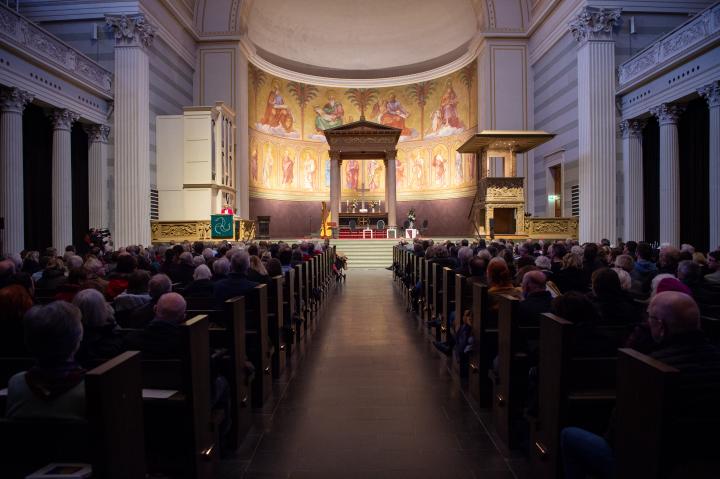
(303, 93)
(361, 98)
(419, 93)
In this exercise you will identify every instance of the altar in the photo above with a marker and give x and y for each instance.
(363, 220)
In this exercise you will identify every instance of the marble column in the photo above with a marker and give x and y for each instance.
(593, 29)
(12, 208)
(391, 187)
(133, 35)
(335, 190)
(712, 94)
(97, 175)
(634, 218)
(668, 115)
(62, 212)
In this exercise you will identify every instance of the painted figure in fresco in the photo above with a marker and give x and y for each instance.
(309, 169)
(329, 115)
(327, 173)
(267, 167)
(353, 174)
(254, 165)
(393, 114)
(276, 111)
(458, 168)
(373, 177)
(440, 165)
(399, 172)
(417, 171)
(287, 167)
(446, 116)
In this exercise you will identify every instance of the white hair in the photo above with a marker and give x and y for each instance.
(202, 272)
(198, 260)
(96, 312)
(543, 262)
(74, 262)
(577, 249)
(625, 279)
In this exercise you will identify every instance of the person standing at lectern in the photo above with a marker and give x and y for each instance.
(227, 210)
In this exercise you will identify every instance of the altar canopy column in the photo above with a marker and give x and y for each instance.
(712, 94)
(335, 190)
(593, 29)
(668, 116)
(62, 121)
(391, 187)
(633, 179)
(97, 175)
(12, 208)
(132, 119)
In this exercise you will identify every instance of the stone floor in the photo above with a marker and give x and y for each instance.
(369, 399)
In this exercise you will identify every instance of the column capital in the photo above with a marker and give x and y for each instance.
(334, 155)
(97, 133)
(711, 93)
(668, 113)
(594, 23)
(391, 154)
(63, 119)
(632, 128)
(14, 99)
(131, 30)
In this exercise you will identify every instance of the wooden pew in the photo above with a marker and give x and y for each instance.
(300, 311)
(436, 299)
(259, 349)
(448, 301)
(427, 292)
(484, 349)
(276, 324)
(290, 328)
(572, 390)
(111, 440)
(180, 434)
(510, 384)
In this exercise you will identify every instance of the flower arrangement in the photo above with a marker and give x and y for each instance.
(411, 217)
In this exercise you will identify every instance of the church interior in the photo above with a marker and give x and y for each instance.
(324, 239)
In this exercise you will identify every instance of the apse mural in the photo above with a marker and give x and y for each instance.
(289, 156)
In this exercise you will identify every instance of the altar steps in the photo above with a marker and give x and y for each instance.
(346, 233)
(367, 253)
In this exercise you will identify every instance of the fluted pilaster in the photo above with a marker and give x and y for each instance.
(391, 187)
(335, 187)
(132, 120)
(62, 221)
(634, 217)
(712, 94)
(593, 29)
(97, 175)
(12, 207)
(668, 116)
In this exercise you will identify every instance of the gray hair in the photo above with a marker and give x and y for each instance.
(198, 260)
(159, 285)
(543, 262)
(96, 312)
(74, 262)
(577, 249)
(240, 262)
(202, 272)
(464, 255)
(625, 262)
(94, 266)
(186, 258)
(221, 266)
(688, 271)
(208, 254)
(53, 332)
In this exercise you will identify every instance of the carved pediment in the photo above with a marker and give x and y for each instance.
(363, 127)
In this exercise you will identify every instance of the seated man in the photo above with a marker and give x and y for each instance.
(158, 285)
(674, 320)
(161, 337)
(54, 387)
(536, 299)
(237, 283)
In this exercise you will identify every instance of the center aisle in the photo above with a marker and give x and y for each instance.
(371, 400)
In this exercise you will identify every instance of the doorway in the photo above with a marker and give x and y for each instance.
(504, 221)
(554, 196)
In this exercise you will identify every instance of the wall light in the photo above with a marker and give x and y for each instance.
(553, 197)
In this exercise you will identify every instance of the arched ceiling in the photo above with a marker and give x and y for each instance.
(360, 41)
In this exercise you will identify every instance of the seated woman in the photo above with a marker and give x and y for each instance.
(54, 387)
(100, 340)
(257, 271)
(613, 305)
